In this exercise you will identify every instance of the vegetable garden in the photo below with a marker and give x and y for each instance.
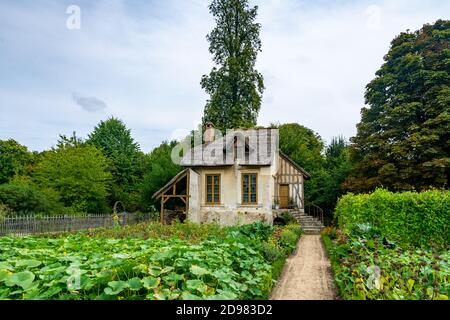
(391, 246)
(177, 262)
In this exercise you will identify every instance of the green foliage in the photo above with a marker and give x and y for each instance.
(403, 137)
(330, 232)
(4, 211)
(65, 142)
(78, 174)
(271, 251)
(160, 170)
(295, 228)
(258, 231)
(221, 264)
(325, 187)
(115, 141)
(288, 239)
(328, 170)
(365, 267)
(235, 87)
(190, 232)
(288, 218)
(409, 218)
(23, 199)
(13, 159)
(302, 145)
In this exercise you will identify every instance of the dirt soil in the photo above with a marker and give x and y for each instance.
(307, 274)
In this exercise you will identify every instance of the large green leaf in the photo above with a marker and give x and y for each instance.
(198, 271)
(22, 279)
(5, 266)
(121, 256)
(4, 274)
(28, 263)
(196, 285)
(135, 284)
(190, 296)
(115, 287)
(150, 283)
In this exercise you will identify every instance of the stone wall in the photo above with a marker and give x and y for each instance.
(229, 217)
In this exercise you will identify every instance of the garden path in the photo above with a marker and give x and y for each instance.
(307, 274)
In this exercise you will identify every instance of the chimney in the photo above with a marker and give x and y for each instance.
(210, 132)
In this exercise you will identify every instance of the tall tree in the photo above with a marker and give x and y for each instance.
(326, 183)
(79, 175)
(403, 139)
(302, 145)
(234, 85)
(69, 142)
(115, 141)
(13, 159)
(159, 170)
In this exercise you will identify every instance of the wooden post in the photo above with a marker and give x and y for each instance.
(162, 210)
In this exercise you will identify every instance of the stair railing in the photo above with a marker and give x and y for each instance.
(314, 211)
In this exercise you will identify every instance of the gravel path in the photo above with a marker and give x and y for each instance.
(307, 274)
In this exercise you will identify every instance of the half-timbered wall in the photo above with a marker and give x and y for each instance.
(288, 174)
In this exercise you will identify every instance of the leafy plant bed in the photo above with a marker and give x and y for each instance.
(368, 266)
(154, 230)
(228, 263)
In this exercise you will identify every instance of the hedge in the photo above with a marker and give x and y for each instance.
(411, 219)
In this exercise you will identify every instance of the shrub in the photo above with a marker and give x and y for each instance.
(329, 232)
(257, 230)
(79, 174)
(288, 240)
(295, 228)
(408, 218)
(271, 251)
(4, 211)
(22, 199)
(288, 218)
(146, 230)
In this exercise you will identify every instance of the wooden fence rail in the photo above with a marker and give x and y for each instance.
(27, 225)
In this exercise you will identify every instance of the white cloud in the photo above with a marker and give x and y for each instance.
(146, 61)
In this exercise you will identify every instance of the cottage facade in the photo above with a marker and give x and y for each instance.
(237, 179)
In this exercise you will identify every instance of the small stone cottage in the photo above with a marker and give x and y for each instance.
(240, 178)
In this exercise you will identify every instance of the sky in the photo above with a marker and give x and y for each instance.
(66, 65)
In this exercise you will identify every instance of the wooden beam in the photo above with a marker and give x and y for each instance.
(162, 211)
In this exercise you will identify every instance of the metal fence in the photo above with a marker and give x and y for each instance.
(26, 225)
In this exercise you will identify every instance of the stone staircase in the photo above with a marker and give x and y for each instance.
(310, 225)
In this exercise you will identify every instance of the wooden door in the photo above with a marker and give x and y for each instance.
(284, 196)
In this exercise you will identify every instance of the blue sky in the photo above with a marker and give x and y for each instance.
(142, 61)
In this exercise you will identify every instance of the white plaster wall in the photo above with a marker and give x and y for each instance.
(231, 211)
(194, 199)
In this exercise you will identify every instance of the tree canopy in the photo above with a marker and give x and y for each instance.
(326, 183)
(403, 138)
(79, 175)
(115, 141)
(302, 145)
(13, 159)
(159, 170)
(234, 85)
